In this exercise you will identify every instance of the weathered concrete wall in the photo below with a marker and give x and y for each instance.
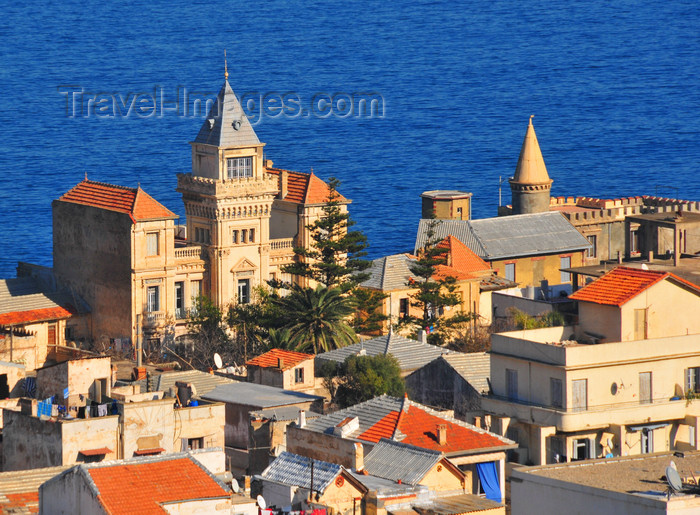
(79, 376)
(267, 376)
(14, 375)
(31, 351)
(148, 423)
(68, 494)
(326, 447)
(92, 252)
(90, 433)
(205, 421)
(29, 442)
(198, 507)
(437, 384)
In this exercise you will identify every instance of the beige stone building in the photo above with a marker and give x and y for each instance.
(619, 383)
(140, 272)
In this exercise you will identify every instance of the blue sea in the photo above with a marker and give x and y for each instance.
(614, 87)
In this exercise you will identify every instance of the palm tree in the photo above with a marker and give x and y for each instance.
(316, 318)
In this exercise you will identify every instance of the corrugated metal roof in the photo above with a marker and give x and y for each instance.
(390, 273)
(395, 460)
(284, 413)
(292, 469)
(474, 367)
(203, 382)
(369, 413)
(510, 236)
(410, 354)
(251, 394)
(225, 111)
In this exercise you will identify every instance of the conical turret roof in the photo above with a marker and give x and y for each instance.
(226, 124)
(531, 168)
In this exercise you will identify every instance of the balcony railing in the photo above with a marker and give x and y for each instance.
(590, 408)
(189, 252)
(282, 243)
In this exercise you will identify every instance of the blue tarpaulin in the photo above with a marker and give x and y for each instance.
(488, 475)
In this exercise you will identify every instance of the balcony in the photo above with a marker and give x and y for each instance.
(282, 246)
(570, 419)
(189, 253)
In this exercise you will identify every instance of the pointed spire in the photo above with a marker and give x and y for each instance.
(531, 168)
(226, 124)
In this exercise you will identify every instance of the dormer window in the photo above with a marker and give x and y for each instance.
(239, 167)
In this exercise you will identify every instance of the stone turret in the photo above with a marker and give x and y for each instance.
(531, 185)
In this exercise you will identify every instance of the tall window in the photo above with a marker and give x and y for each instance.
(565, 262)
(634, 241)
(581, 449)
(152, 300)
(243, 291)
(647, 440)
(239, 167)
(692, 380)
(234, 237)
(579, 390)
(593, 251)
(152, 244)
(179, 300)
(403, 308)
(299, 375)
(555, 391)
(510, 271)
(244, 236)
(512, 384)
(251, 236)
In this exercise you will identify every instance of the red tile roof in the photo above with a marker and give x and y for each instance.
(35, 315)
(270, 359)
(135, 202)
(141, 487)
(462, 257)
(420, 428)
(20, 503)
(96, 452)
(623, 284)
(304, 188)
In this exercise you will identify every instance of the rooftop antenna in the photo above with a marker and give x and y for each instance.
(226, 70)
(500, 182)
(673, 479)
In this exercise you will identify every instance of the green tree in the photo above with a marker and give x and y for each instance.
(252, 323)
(434, 294)
(316, 318)
(365, 377)
(368, 317)
(524, 321)
(207, 332)
(335, 258)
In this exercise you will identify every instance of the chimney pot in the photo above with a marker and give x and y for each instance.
(280, 363)
(442, 434)
(302, 418)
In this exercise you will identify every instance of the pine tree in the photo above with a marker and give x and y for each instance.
(335, 258)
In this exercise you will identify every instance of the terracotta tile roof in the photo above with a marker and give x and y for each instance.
(270, 359)
(35, 315)
(420, 429)
(462, 257)
(304, 188)
(96, 452)
(444, 271)
(135, 202)
(383, 429)
(623, 284)
(20, 503)
(141, 487)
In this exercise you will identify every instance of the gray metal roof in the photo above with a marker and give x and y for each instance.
(202, 381)
(510, 236)
(284, 413)
(474, 367)
(263, 396)
(410, 354)
(388, 487)
(25, 294)
(395, 460)
(390, 273)
(225, 112)
(295, 470)
(369, 413)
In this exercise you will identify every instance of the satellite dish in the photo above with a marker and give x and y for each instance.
(263, 504)
(610, 444)
(234, 486)
(644, 266)
(674, 479)
(217, 360)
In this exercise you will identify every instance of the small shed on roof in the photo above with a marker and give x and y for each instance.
(411, 354)
(412, 465)
(302, 477)
(283, 369)
(452, 381)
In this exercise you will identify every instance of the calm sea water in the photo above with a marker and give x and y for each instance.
(614, 87)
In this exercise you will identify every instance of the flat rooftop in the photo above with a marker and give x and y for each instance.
(688, 268)
(629, 474)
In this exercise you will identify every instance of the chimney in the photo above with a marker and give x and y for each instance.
(359, 456)
(651, 256)
(442, 434)
(302, 418)
(280, 363)
(284, 179)
(422, 336)
(477, 421)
